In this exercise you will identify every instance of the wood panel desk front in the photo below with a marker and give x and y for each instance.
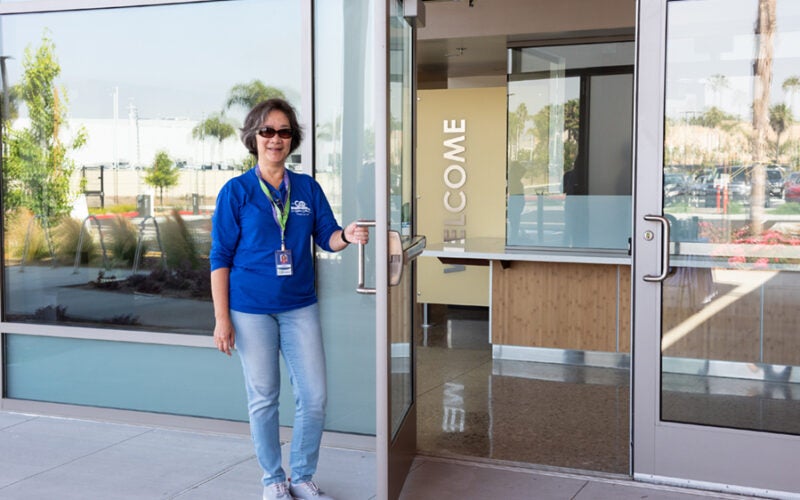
(561, 300)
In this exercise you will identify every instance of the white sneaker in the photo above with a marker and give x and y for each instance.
(277, 491)
(308, 491)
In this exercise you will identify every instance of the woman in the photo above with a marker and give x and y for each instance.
(262, 283)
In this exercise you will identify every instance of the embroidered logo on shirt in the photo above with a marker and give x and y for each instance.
(299, 207)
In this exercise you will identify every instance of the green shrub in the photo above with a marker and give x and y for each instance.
(179, 245)
(17, 225)
(66, 237)
(121, 241)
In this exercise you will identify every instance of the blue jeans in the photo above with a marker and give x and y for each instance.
(296, 334)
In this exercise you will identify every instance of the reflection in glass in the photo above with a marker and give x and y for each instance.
(112, 162)
(344, 165)
(569, 146)
(730, 342)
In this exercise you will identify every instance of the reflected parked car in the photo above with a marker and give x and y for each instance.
(791, 189)
(737, 181)
(675, 185)
(703, 191)
(775, 182)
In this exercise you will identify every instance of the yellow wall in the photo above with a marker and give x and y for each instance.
(483, 159)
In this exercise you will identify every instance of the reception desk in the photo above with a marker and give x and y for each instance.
(550, 303)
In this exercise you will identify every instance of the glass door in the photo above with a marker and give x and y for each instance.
(394, 200)
(716, 245)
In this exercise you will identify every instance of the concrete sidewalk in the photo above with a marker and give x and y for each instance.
(58, 458)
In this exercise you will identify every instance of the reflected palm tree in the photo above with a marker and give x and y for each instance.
(765, 38)
(215, 126)
(247, 95)
(791, 86)
(780, 119)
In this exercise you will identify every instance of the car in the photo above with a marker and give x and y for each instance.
(791, 188)
(736, 179)
(675, 184)
(775, 182)
(702, 190)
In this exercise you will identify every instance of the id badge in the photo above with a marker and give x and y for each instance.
(283, 262)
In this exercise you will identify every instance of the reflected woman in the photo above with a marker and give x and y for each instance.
(265, 303)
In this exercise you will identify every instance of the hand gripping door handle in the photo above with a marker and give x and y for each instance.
(361, 288)
(664, 249)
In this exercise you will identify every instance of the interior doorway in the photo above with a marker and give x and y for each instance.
(536, 372)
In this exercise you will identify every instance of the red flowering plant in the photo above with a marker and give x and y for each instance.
(759, 251)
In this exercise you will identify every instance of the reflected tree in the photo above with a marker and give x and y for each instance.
(718, 83)
(163, 174)
(780, 119)
(517, 125)
(791, 86)
(247, 95)
(37, 169)
(571, 131)
(215, 126)
(762, 66)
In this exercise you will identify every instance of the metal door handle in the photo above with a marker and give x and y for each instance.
(664, 249)
(399, 256)
(360, 288)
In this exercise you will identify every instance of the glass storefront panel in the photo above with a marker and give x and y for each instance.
(177, 380)
(119, 128)
(730, 348)
(344, 165)
(569, 146)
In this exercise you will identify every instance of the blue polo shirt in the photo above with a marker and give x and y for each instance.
(245, 236)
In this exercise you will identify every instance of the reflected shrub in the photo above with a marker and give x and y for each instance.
(179, 245)
(17, 224)
(51, 314)
(67, 237)
(182, 282)
(122, 239)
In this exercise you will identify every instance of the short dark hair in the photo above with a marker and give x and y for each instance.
(255, 118)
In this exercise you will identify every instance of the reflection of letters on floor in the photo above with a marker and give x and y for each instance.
(453, 406)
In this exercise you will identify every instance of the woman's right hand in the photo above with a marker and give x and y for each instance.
(224, 336)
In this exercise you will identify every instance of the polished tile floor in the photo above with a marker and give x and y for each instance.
(564, 417)
(511, 411)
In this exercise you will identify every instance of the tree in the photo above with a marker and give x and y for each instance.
(163, 174)
(541, 127)
(248, 95)
(517, 125)
(717, 83)
(780, 118)
(765, 35)
(214, 126)
(791, 86)
(37, 169)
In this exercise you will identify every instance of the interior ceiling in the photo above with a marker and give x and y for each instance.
(460, 57)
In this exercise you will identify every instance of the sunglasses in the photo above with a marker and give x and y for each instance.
(269, 133)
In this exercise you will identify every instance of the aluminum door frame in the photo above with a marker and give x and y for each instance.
(704, 457)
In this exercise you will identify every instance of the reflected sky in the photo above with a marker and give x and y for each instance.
(699, 49)
(171, 61)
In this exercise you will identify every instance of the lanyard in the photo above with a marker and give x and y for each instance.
(281, 215)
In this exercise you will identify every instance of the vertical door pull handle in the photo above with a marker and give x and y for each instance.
(664, 249)
(360, 288)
